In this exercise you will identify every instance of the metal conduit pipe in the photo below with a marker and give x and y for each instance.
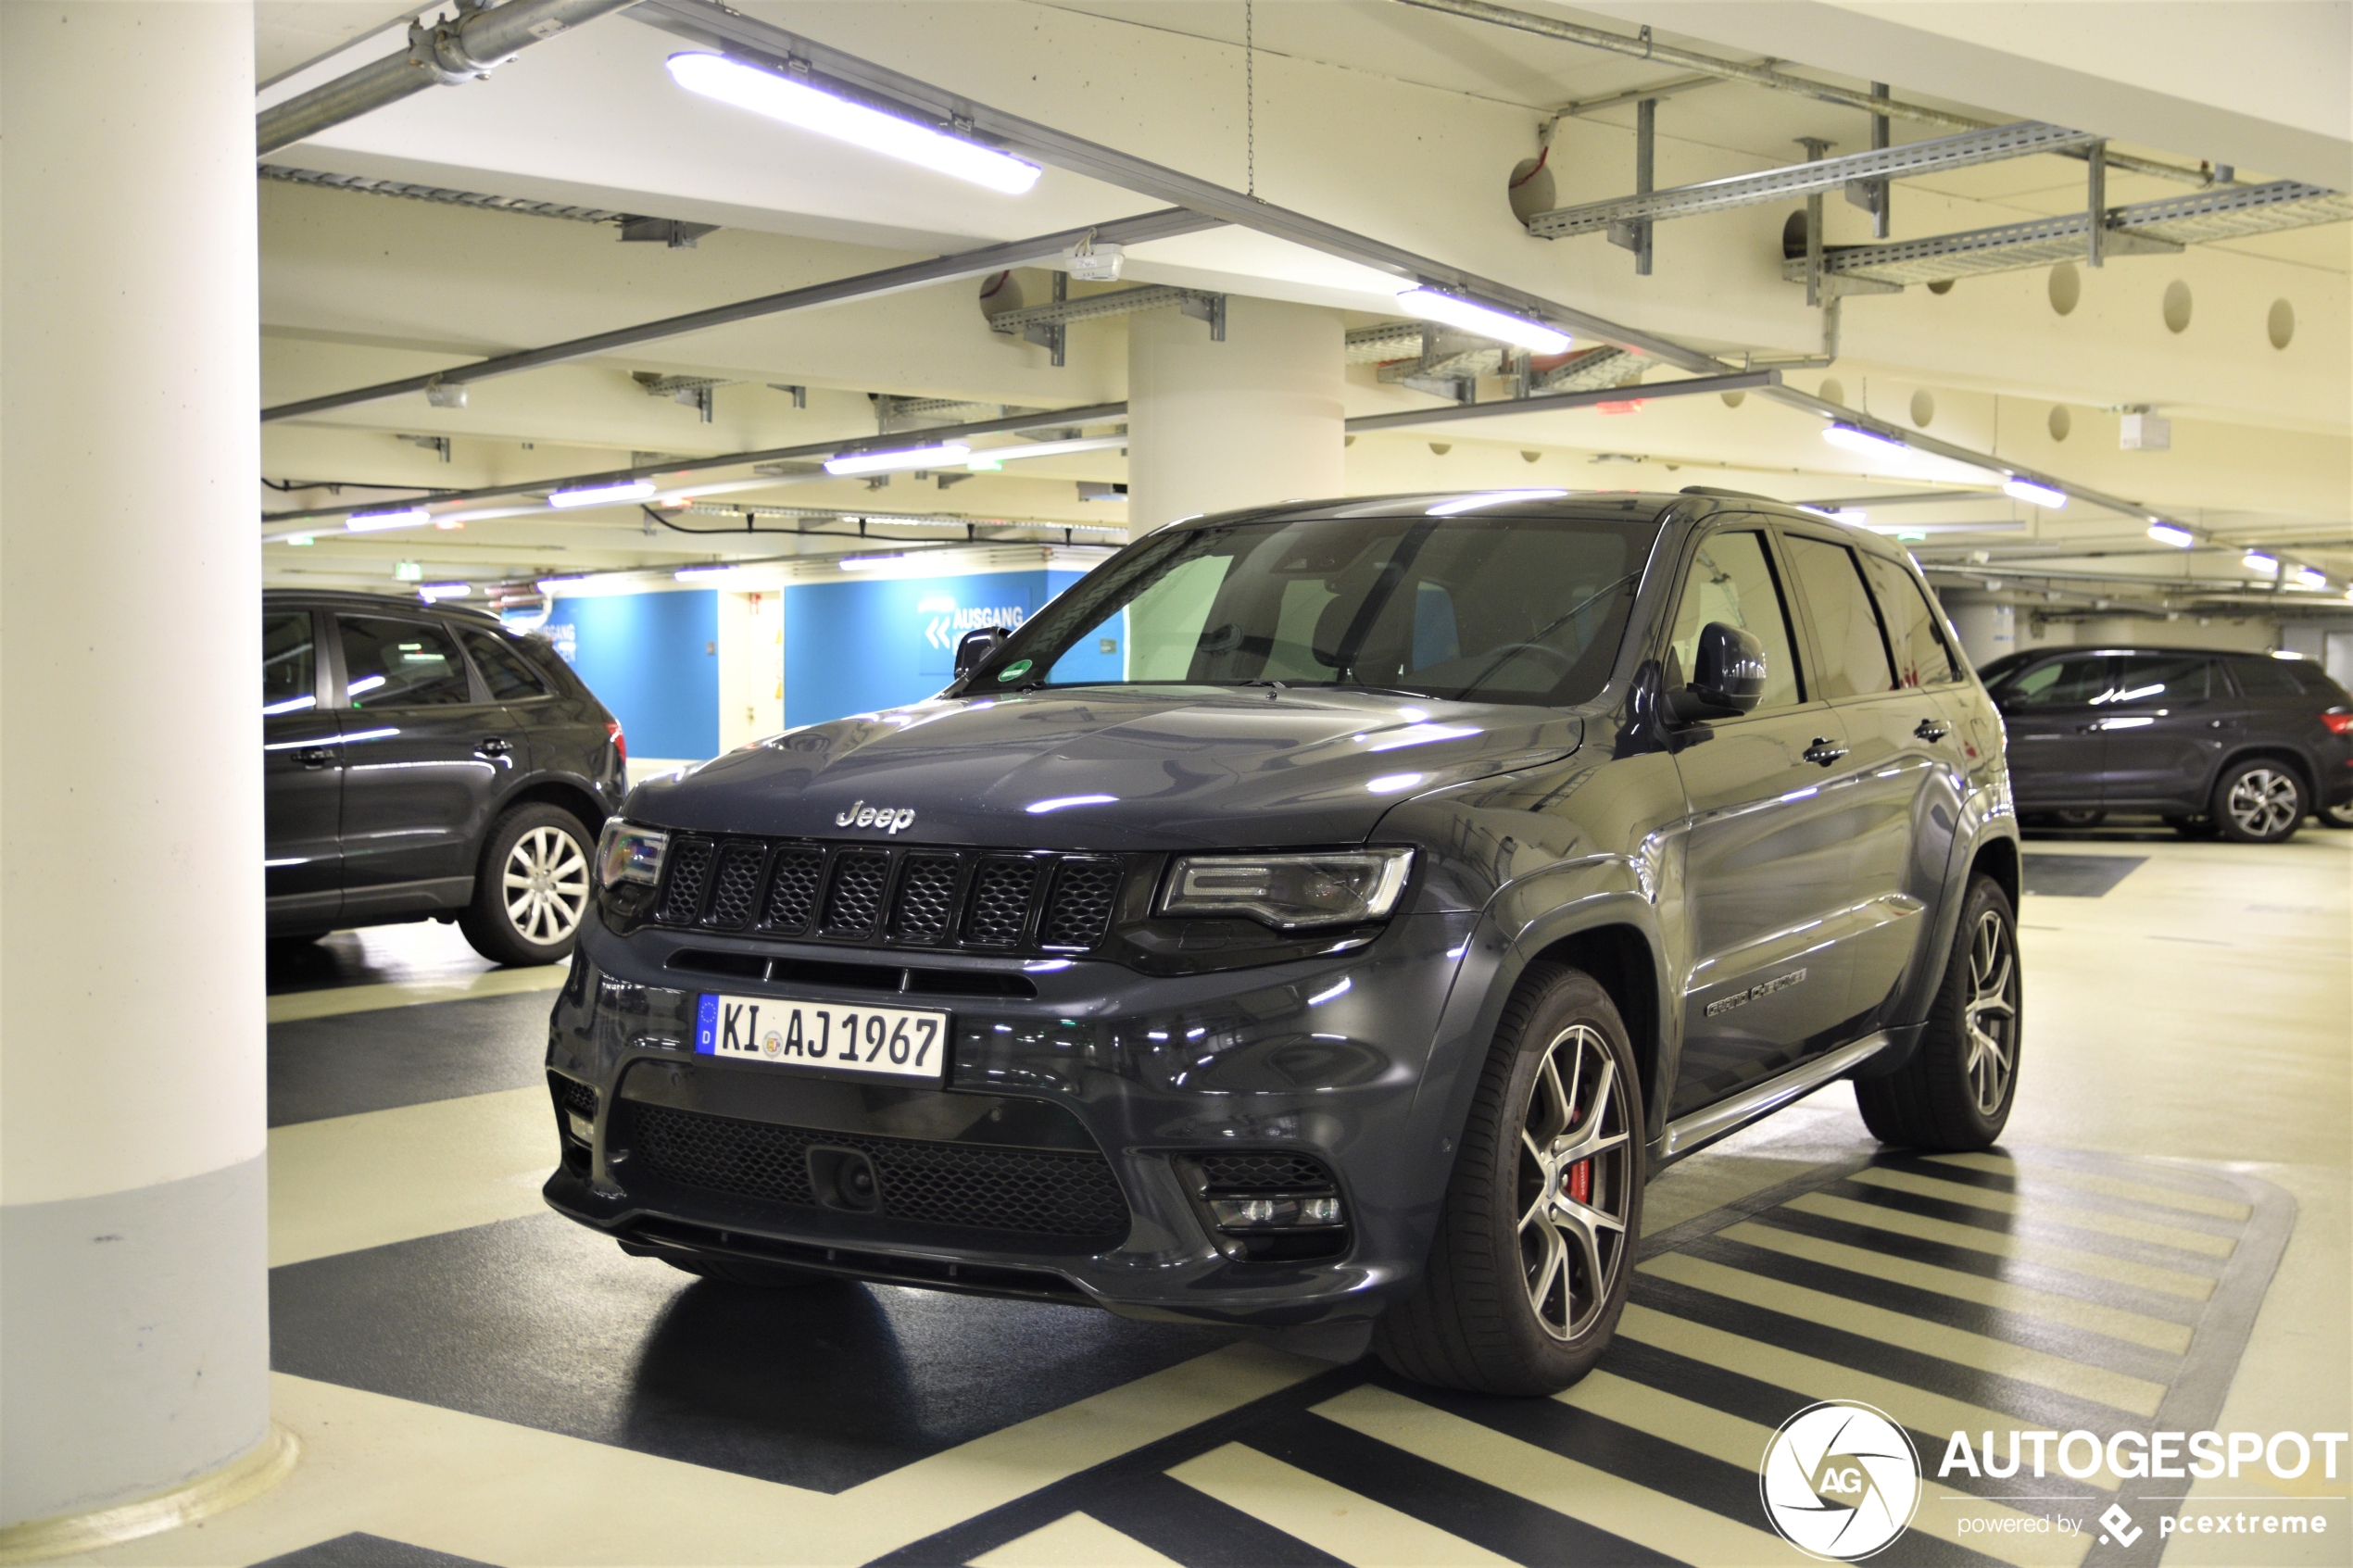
(473, 44)
(1644, 47)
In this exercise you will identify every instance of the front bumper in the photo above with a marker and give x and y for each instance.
(1342, 1059)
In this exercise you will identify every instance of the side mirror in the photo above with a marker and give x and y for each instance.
(974, 646)
(1728, 679)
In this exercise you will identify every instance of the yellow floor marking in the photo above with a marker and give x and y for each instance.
(2148, 1277)
(2115, 1322)
(292, 1006)
(1930, 1414)
(1625, 1509)
(2108, 1186)
(383, 1176)
(2044, 1208)
(496, 1492)
(1977, 1352)
(1735, 1441)
(1075, 1540)
(1352, 1528)
(885, 1514)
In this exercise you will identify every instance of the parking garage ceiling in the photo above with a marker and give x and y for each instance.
(471, 222)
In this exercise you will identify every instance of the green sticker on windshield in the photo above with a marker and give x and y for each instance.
(1014, 670)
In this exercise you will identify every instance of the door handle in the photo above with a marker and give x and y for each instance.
(1931, 728)
(495, 746)
(1824, 751)
(316, 755)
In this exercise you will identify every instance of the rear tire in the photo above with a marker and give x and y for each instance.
(531, 891)
(1956, 1093)
(2335, 816)
(2261, 801)
(1535, 1247)
(2090, 817)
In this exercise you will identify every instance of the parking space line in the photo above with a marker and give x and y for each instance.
(1738, 1441)
(1328, 1517)
(1924, 1412)
(1981, 1352)
(2155, 1233)
(289, 1006)
(2138, 1191)
(2029, 1248)
(1074, 1538)
(1650, 1517)
(2156, 1334)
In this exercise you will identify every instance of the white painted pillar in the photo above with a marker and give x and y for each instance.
(1988, 631)
(133, 1208)
(1252, 420)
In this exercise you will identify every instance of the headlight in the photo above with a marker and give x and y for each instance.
(630, 854)
(1287, 892)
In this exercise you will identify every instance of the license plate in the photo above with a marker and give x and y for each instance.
(827, 1036)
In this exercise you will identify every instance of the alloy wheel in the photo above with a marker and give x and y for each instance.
(546, 880)
(1576, 1183)
(1989, 1019)
(2264, 802)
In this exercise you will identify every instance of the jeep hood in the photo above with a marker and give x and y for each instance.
(1111, 768)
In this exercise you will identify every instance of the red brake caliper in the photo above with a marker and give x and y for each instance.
(1580, 1180)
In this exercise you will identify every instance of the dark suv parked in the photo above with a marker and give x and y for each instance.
(1320, 920)
(2240, 744)
(423, 762)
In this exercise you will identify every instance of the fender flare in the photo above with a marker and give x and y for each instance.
(1986, 816)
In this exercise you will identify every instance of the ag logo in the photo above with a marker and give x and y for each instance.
(1840, 1480)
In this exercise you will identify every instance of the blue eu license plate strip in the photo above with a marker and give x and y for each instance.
(901, 1042)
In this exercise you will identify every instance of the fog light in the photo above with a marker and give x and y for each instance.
(1277, 1212)
(581, 1128)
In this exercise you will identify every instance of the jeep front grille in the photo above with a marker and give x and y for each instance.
(976, 900)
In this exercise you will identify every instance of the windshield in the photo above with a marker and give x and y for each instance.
(1485, 610)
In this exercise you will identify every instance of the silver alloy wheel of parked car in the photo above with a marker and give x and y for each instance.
(1574, 1183)
(1991, 1014)
(546, 886)
(2265, 802)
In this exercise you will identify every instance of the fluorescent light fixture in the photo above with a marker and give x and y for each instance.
(1040, 808)
(946, 455)
(549, 585)
(429, 591)
(1855, 515)
(811, 108)
(987, 460)
(1490, 498)
(702, 573)
(2026, 490)
(2310, 577)
(603, 494)
(867, 563)
(2256, 561)
(1854, 438)
(1453, 310)
(2166, 533)
(376, 522)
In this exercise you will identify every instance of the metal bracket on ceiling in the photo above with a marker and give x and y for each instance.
(1634, 233)
(2096, 206)
(1872, 195)
(674, 233)
(435, 444)
(1209, 307)
(800, 394)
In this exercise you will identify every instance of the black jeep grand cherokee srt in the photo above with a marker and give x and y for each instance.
(1319, 920)
(421, 762)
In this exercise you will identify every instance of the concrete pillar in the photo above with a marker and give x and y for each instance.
(1253, 419)
(1987, 630)
(134, 1306)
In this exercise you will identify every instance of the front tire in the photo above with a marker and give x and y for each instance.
(2259, 802)
(2335, 816)
(1956, 1093)
(532, 891)
(1534, 1252)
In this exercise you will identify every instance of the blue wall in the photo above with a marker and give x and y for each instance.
(861, 643)
(650, 658)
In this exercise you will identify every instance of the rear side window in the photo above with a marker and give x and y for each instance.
(503, 670)
(289, 663)
(1846, 626)
(400, 664)
(2064, 683)
(2265, 678)
(1921, 658)
(2161, 677)
(1730, 581)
